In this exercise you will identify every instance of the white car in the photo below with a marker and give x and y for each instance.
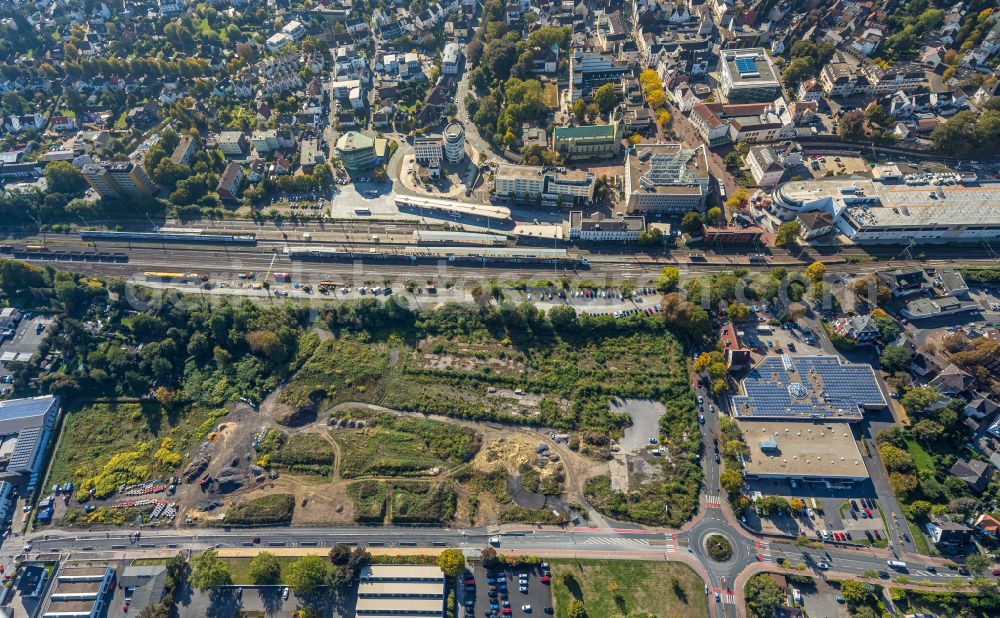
(526, 609)
(284, 594)
(27, 547)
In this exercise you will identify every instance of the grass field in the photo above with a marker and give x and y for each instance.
(238, 568)
(94, 434)
(643, 587)
(921, 458)
(308, 453)
(919, 539)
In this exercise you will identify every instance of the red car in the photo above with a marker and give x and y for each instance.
(506, 610)
(996, 571)
(868, 512)
(877, 535)
(470, 580)
(545, 579)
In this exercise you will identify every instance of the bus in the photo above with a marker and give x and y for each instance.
(899, 565)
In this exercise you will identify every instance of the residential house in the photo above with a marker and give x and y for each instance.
(952, 381)
(975, 473)
(229, 181)
(949, 534)
(815, 223)
(858, 328)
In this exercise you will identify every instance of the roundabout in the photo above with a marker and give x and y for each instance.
(718, 547)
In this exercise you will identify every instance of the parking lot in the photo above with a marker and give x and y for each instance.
(509, 591)
(24, 342)
(827, 519)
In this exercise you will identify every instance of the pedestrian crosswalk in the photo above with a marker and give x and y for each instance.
(712, 501)
(610, 540)
(670, 544)
(725, 596)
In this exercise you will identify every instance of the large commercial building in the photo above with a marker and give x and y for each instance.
(356, 150)
(666, 178)
(554, 185)
(25, 429)
(588, 72)
(748, 76)
(922, 209)
(400, 590)
(80, 592)
(119, 179)
(808, 387)
(599, 141)
(804, 451)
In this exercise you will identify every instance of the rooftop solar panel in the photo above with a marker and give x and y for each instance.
(745, 65)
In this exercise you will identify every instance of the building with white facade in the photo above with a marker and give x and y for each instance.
(454, 142)
(451, 56)
(599, 228)
(921, 209)
(748, 76)
(666, 178)
(553, 185)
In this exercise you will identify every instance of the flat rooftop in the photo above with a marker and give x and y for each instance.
(667, 168)
(871, 203)
(801, 449)
(23, 409)
(820, 387)
(750, 67)
(401, 572)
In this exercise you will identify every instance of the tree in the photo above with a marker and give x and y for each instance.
(691, 223)
(669, 277)
(763, 595)
(978, 564)
(731, 481)
(797, 69)
(664, 118)
(901, 483)
(347, 564)
(656, 99)
(488, 556)
(264, 569)
(306, 575)
(452, 562)
(894, 358)
(209, 571)
(854, 593)
(895, 458)
(606, 97)
(918, 510)
(815, 271)
(852, 126)
(738, 312)
(63, 177)
(917, 400)
(562, 318)
(788, 234)
(576, 609)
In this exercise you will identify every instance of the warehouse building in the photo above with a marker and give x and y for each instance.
(25, 428)
(401, 590)
(922, 209)
(666, 178)
(808, 387)
(804, 451)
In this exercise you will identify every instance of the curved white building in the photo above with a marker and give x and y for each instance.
(454, 142)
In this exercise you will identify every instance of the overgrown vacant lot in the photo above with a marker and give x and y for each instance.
(453, 361)
(305, 452)
(105, 445)
(390, 445)
(656, 588)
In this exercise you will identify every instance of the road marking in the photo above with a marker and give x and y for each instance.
(712, 502)
(671, 542)
(726, 596)
(613, 541)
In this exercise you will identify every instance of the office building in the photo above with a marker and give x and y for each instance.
(454, 142)
(600, 141)
(589, 71)
(356, 151)
(119, 179)
(599, 228)
(428, 152)
(386, 591)
(922, 209)
(552, 185)
(748, 76)
(666, 178)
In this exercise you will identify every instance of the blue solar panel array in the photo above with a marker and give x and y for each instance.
(830, 385)
(746, 65)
